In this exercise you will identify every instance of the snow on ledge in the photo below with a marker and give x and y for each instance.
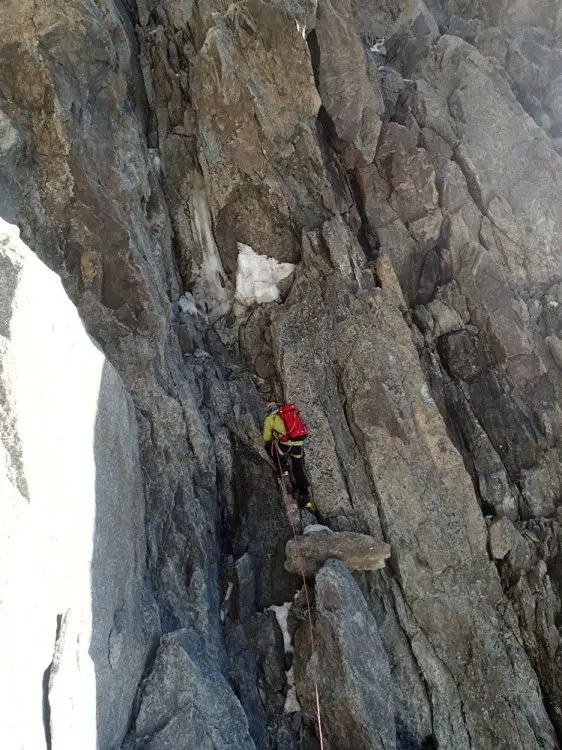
(292, 704)
(258, 276)
(281, 612)
(379, 48)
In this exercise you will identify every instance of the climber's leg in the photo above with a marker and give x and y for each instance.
(301, 482)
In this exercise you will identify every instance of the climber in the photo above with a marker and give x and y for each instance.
(284, 433)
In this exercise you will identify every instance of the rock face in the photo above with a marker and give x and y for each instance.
(72, 513)
(184, 700)
(351, 100)
(356, 710)
(404, 159)
(306, 554)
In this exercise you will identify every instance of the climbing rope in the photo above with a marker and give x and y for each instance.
(290, 516)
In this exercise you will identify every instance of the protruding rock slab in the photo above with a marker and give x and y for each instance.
(357, 551)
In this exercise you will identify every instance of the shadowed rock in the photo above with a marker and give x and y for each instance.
(187, 703)
(358, 551)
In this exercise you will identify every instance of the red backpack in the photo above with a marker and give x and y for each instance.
(294, 425)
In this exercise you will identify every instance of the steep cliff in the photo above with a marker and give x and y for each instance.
(352, 205)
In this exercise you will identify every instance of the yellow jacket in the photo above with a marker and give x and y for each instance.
(274, 428)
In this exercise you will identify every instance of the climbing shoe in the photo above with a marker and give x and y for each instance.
(305, 503)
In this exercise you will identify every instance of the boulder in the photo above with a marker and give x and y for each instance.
(72, 535)
(309, 552)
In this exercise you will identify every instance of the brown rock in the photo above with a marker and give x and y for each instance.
(358, 551)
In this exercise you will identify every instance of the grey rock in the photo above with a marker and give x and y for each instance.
(353, 102)
(309, 552)
(501, 542)
(354, 702)
(392, 86)
(249, 683)
(186, 702)
(135, 158)
(413, 33)
(268, 644)
(403, 208)
(258, 49)
(467, 28)
(531, 571)
(540, 487)
(422, 512)
(246, 586)
(555, 346)
(533, 13)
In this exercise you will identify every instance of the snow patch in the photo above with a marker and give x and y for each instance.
(224, 607)
(258, 276)
(379, 47)
(426, 395)
(292, 704)
(281, 612)
(187, 304)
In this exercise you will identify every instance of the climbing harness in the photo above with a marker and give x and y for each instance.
(290, 516)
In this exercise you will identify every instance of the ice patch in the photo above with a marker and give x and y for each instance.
(292, 704)
(258, 276)
(282, 613)
(211, 288)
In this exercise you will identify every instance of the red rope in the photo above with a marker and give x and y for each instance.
(289, 511)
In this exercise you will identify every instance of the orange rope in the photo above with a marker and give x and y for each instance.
(289, 511)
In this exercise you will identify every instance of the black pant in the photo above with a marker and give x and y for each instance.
(281, 454)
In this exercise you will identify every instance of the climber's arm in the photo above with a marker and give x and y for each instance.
(267, 434)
